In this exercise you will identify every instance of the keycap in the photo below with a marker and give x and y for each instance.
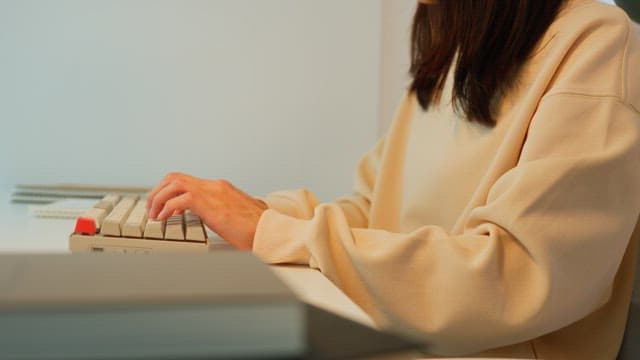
(91, 221)
(108, 202)
(97, 214)
(136, 222)
(194, 228)
(154, 229)
(114, 222)
(85, 226)
(174, 229)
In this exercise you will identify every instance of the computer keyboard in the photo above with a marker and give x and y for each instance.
(119, 223)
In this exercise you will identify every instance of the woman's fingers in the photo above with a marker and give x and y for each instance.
(170, 177)
(164, 182)
(163, 196)
(224, 208)
(176, 205)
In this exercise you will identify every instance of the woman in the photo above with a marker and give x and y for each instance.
(497, 214)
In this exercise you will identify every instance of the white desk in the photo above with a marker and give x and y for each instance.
(22, 233)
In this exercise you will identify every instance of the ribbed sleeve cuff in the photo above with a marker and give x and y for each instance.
(280, 239)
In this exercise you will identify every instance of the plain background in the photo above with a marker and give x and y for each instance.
(270, 94)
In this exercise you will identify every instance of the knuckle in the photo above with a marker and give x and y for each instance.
(216, 185)
(174, 175)
(224, 184)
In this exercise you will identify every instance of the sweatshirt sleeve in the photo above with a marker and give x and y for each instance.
(553, 228)
(301, 204)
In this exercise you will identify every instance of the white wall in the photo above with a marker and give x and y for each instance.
(397, 16)
(270, 94)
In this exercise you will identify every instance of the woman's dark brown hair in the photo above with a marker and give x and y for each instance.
(491, 38)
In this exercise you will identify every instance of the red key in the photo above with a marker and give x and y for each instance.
(86, 226)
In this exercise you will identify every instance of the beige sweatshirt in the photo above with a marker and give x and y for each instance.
(513, 239)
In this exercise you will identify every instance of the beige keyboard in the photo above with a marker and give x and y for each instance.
(120, 224)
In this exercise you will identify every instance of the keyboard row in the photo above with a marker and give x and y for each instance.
(126, 216)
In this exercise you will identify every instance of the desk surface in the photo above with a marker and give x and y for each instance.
(22, 233)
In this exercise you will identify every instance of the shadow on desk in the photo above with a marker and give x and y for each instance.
(630, 347)
(330, 336)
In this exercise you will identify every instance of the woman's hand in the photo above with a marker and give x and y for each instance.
(225, 209)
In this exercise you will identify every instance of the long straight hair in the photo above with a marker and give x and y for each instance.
(490, 40)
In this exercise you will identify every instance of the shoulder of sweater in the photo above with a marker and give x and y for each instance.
(579, 15)
(595, 50)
